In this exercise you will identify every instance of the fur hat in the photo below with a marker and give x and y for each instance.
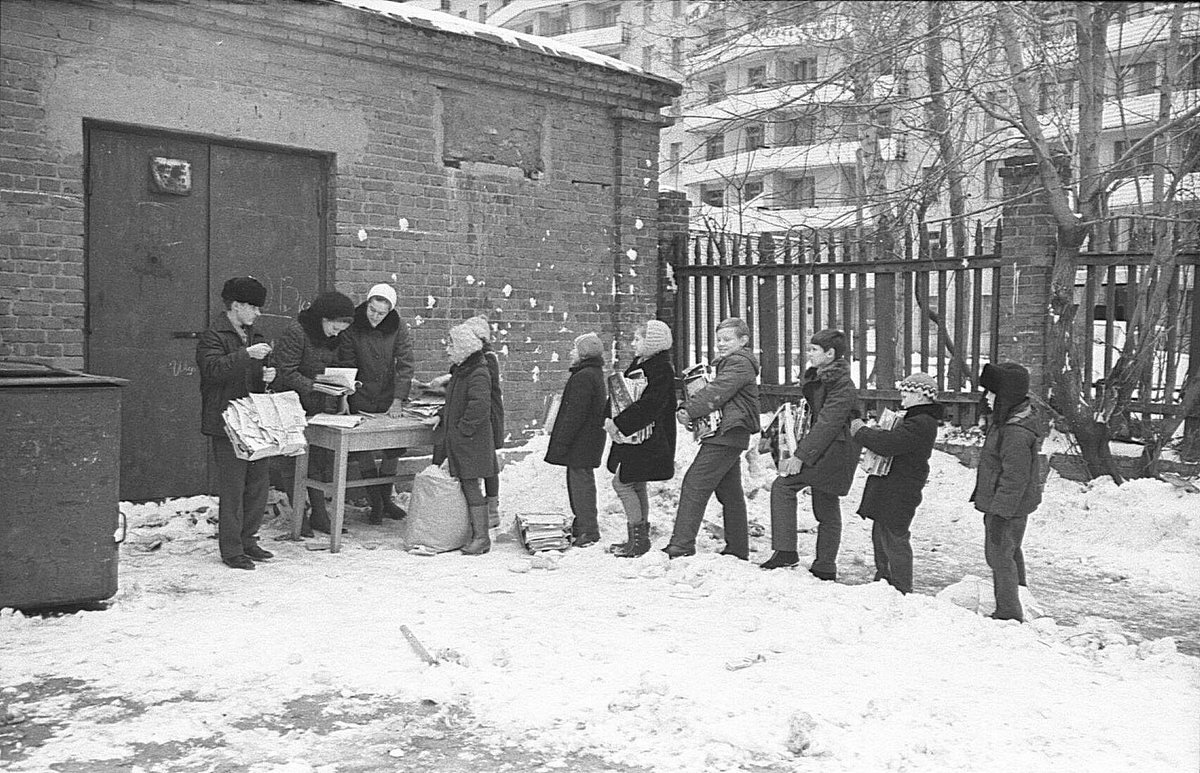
(480, 326)
(332, 305)
(658, 337)
(589, 345)
(463, 338)
(384, 291)
(1007, 380)
(244, 289)
(922, 383)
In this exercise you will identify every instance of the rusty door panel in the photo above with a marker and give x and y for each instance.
(267, 215)
(147, 276)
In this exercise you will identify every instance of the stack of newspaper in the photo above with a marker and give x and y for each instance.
(544, 531)
(263, 425)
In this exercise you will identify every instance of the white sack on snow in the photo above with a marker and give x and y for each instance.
(437, 512)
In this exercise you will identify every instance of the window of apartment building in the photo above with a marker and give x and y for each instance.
(1189, 68)
(676, 7)
(1141, 162)
(756, 77)
(800, 131)
(931, 182)
(1140, 78)
(991, 180)
(996, 101)
(677, 53)
(557, 24)
(1056, 96)
(674, 152)
(716, 90)
(751, 190)
(504, 3)
(713, 197)
(610, 16)
(715, 35)
(483, 13)
(849, 177)
(881, 119)
(444, 5)
(647, 57)
(801, 193)
(801, 70)
(755, 137)
(714, 147)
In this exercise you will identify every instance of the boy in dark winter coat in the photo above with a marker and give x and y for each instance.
(632, 464)
(1008, 481)
(827, 455)
(230, 357)
(308, 346)
(577, 439)
(463, 435)
(891, 500)
(717, 466)
(377, 343)
(491, 484)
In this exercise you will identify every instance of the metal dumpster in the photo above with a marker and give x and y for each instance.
(60, 465)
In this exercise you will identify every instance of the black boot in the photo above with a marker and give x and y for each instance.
(639, 541)
(319, 517)
(390, 509)
(375, 517)
(781, 559)
(481, 541)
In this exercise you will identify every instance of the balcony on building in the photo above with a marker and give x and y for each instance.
(781, 159)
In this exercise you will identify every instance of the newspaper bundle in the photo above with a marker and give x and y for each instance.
(263, 425)
(788, 425)
(696, 378)
(544, 531)
(872, 463)
(624, 392)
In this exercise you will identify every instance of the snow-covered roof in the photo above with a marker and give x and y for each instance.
(444, 22)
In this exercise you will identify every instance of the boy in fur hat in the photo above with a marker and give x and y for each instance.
(1008, 481)
(577, 439)
(891, 500)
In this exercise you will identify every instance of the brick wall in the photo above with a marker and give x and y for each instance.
(541, 254)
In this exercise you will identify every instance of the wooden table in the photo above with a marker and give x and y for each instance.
(375, 433)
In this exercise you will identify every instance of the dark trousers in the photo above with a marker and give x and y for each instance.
(491, 485)
(242, 488)
(893, 556)
(472, 491)
(1002, 549)
(716, 469)
(826, 509)
(581, 492)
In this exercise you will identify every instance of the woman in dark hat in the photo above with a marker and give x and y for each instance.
(1008, 481)
(306, 348)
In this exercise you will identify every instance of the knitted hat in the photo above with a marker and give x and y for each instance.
(244, 289)
(332, 305)
(922, 383)
(384, 291)
(464, 339)
(589, 345)
(658, 337)
(480, 326)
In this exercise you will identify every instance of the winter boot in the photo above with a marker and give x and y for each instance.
(481, 542)
(493, 506)
(390, 509)
(319, 517)
(781, 559)
(306, 529)
(639, 541)
(375, 518)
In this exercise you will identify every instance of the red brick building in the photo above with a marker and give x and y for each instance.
(150, 150)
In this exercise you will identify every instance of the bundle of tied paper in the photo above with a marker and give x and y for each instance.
(544, 531)
(262, 425)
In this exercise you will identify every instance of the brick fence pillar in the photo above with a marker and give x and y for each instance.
(1023, 296)
(673, 210)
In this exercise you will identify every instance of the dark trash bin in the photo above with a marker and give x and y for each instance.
(60, 466)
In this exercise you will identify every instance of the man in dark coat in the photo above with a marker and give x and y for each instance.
(1008, 481)
(377, 343)
(633, 464)
(827, 454)
(463, 436)
(577, 439)
(891, 500)
(230, 356)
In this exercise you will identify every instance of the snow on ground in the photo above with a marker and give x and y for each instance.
(704, 663)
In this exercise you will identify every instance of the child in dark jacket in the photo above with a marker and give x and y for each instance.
(577, 439)
(827, 455)
(1008, 481)
(717, 466)
(891, 500)
(633, 464)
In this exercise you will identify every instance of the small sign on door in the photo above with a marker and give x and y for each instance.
(171, 175)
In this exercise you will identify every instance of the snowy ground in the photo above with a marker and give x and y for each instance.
(597, 663)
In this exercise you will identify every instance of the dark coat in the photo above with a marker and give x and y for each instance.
(734, 390)
(463, 434)
(577, 439)
(829, 453)
(892, 499)
(1008, 481)
(383, 356)
(653, 459)
(227, 372)
(493, 364)
(302, 354)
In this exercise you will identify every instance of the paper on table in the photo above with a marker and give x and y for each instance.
(346, 421)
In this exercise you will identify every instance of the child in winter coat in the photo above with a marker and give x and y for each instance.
(717, 466)
(1008, 481)
(891, 500)
(577, 439)
(827, 456)
(463, 435)
(632, 464)
(491, 484)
